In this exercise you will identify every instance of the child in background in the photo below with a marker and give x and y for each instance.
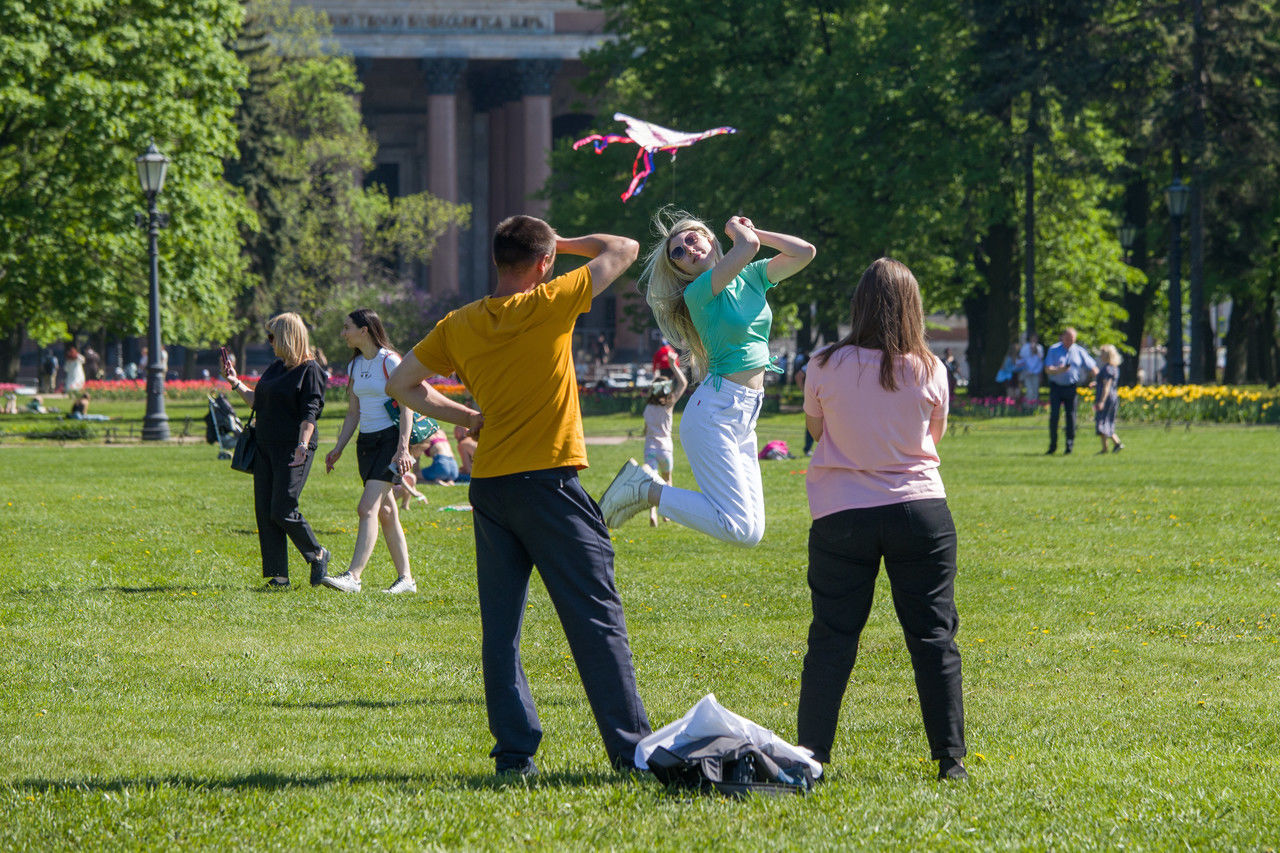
(466, 450)
(659, 449)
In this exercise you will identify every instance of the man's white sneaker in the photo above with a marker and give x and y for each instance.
(345, 582)
(402, 585)
(628, 494)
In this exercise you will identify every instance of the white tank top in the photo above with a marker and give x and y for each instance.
(369, 383)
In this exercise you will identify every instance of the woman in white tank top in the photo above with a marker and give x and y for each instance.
(382, 451)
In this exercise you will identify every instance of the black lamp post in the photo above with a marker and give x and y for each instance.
(1128, 235)
(1178, 194)
(151, 168)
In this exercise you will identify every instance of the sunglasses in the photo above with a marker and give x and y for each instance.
(271, 338)
(678, 251)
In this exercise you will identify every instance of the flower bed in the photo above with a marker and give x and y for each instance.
(1196, 403)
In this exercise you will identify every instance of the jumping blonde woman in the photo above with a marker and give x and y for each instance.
(711, 306)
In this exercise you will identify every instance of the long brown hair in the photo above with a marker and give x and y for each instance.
(886, 314)
(367, 318)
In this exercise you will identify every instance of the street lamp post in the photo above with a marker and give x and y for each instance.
(1177, 195)
(1128, 236)
(151, 168)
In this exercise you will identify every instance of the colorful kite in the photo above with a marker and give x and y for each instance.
(650, 138)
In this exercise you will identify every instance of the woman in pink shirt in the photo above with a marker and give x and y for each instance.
(877, 403)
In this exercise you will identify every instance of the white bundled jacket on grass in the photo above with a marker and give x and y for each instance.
(709, 718)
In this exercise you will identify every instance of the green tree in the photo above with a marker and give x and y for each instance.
(84, 86)
(865, 129)
(320, 243)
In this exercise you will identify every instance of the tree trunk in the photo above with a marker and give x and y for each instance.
(1241, 337)
(11, 352)
(1136, 303)
(993, 313)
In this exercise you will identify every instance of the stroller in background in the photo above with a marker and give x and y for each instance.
(221, 426)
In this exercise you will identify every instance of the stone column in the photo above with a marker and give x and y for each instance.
(536, 76)
(492, 94)
(513, 157)
(442, 77)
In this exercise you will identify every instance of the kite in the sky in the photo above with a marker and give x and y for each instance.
(650, 138)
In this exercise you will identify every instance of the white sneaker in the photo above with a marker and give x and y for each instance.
(402, 585)
(628, 494)
(345, 582)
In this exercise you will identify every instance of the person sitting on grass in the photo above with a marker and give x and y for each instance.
(443, 470)
(466, 452)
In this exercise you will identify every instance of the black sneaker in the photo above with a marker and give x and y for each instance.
(951, 770)
(527, 768)
(320, 567)
(277, 583)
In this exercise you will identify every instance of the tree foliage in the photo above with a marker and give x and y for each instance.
(870, 130)
(84, 86)
(321, 243)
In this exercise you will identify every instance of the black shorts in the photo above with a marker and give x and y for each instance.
(374, 452)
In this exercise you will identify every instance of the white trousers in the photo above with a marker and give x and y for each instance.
(718, 432)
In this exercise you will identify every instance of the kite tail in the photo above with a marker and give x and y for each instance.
(601, 141)
(641, 169)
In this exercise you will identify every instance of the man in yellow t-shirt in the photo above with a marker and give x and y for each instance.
(513, 352)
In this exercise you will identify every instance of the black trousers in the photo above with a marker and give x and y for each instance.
(545, 518)
(917, 540)
(1062, 397)
(276, 489)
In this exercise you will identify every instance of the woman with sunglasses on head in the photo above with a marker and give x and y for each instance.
(711, 305)
(287, 402)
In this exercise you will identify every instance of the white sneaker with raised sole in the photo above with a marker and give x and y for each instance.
(402, 585)
(628, 494)
(345, 582)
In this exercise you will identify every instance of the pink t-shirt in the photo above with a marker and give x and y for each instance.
(875, 448)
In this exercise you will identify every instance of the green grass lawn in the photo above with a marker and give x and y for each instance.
(1119, 632)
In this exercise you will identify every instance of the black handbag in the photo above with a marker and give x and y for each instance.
(246, 451)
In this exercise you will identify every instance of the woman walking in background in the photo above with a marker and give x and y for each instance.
(712, 306)
(382, 451)
(1106, 402)
(287, 401)
(878, 401)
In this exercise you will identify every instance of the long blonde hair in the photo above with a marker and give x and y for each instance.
(291, 333)
(664, 286)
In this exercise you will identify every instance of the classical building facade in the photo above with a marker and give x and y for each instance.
(464, 98)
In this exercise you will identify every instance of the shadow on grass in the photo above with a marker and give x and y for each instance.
(272, 781)
(54, 590)
(379, 703)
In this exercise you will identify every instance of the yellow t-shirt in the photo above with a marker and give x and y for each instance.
(514, 353)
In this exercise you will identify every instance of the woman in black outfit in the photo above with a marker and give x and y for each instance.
(288, 400)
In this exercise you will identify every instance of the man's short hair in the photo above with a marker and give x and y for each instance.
(520, 241)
